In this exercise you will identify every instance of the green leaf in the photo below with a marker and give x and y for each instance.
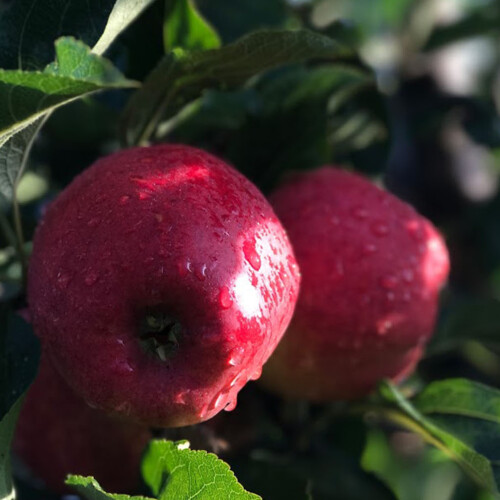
(122, 15)
(27, 97)
(89, 488)
(28, 28)
(7, 426)
(173, 471)
(459, 442)
(182, 76)
(460, 397)
(185, 27)
(19, 360)
(13, 157)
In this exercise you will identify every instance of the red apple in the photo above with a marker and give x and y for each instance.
(372, 269)
(160, 282)
(58, 433)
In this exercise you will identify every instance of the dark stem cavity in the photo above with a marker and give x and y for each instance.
(160, 335)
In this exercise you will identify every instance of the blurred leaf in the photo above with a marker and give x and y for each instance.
(123, 13)
(185, 27)
(483, 20)
(477, 320)
(20, 351)
(173, 471)
(323, 476)
(13, 157)
(234, 19)
(89, 488)
(181, 76)
(26, 97)
(7, 426)
(461, 443)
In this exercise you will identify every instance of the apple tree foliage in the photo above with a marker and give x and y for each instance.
(271, 86)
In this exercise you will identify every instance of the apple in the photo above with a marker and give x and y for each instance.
(372, 269)
(58, 433)
(160, 282)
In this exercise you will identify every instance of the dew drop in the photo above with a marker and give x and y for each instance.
(159, 217)
(360, 213)
(217, 402)
(388, 282)
(369, 249)
(231, 405)
(251, 254)
(180, 398)
(90, 279)
(225, 299)
(408, 275)
(380, 229)
(236, 357)
(256, 373)
(124, 199)
(63, 280)
(254, 280)
(384, 326)
(143, 195)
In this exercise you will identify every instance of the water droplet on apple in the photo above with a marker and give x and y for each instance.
(236, 356)
(180, 398)
(380, 229)
(339, 267)
(235, 379)
(251, 254)
(93, 222)
(407, 275)
(91, 278)
(225, 299)
(360, 213)
(231, 405)
(256, 373)
(63, 280)
(384, 326)
(369, 249)
(124, 199)
(388, 282)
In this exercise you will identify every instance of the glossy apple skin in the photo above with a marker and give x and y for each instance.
(166, 229)
(372, 269)
(59, 434)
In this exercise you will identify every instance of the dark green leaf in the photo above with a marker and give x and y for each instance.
(13, 156)
(19, 349)
(235, 19)
(173, 471)
(186, 28)
(27, 97)
(324, 476)
(28, 28)
(7, 426)
(460, 443)
(481, 21)
(182, 76)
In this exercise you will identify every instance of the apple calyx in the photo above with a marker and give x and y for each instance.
(160, 335)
